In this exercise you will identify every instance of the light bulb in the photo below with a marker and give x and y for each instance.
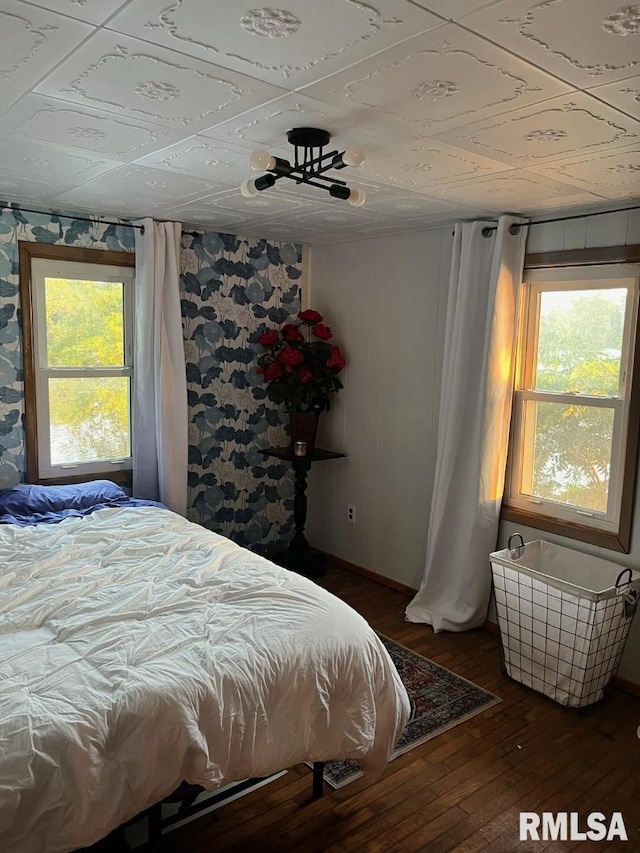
(353, 156)
(357, 197)
(248, 188)
(261, 161)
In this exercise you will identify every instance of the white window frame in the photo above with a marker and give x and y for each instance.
(536, 282)
(42, 268)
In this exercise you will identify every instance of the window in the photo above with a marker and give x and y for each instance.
(78, 361)
(573, 437)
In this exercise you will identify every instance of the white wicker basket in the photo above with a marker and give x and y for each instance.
(564, 618)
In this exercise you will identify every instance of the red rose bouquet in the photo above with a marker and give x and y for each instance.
(300, 365)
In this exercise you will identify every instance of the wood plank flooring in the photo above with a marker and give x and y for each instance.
(462, 791)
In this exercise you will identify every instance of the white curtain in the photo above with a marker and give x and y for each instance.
(473, 426)
(160, 387)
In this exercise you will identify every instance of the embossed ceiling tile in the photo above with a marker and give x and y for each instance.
(414, 206)
(380, 198)
(438, 80)
(92, 11)
(53, 166)
(80, 199)
(58, 123)
(453, 10)
(16, 186)
(267, 203)
(624, 95)
(207, 210)
(129, 77)
(221, 162)
(33, 42)
(283, 231)
(515, 190)
(147, 185)
(409, 227)
(614, 175)
(289, 45)
(582, 42)
(337, 216)
(388, 202)
(194, 214)
(554, 130)
(425, 163)
(266, 126)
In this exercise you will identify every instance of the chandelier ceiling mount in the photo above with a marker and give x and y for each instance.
(310, 163)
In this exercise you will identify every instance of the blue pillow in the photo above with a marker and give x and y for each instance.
(27, 499)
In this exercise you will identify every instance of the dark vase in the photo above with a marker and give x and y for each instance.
(303, 427)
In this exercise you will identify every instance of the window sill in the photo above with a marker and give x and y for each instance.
(600, 538)
(122, 476)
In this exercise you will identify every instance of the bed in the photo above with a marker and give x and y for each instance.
(139, 651)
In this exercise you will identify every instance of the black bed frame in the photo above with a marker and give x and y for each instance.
(186, 795)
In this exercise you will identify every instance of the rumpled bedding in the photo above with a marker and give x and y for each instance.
(26, 505)
(138, 650)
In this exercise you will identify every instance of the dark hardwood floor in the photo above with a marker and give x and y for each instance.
(463, 790)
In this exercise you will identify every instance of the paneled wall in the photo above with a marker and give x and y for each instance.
(612, 229)
(385, 299)
(606, 229)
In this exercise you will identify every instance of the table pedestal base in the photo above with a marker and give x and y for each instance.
(298, 557)
(310, 565)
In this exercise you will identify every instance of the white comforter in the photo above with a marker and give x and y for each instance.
(138, 650)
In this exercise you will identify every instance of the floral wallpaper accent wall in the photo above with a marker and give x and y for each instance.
(17, 225)
(232, 289)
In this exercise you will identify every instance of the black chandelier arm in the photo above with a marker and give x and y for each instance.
(326, 168)
(312, 183)
(301, 177)
(307, 163)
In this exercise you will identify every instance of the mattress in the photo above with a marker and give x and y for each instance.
(139, 650)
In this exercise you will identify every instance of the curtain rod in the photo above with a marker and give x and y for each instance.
(486, 231)
(513, 229)
(124, 224)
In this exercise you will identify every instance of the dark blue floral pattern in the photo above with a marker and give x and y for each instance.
(232, 289)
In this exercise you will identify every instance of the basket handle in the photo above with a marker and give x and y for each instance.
(519, 548)
(619, 582)
(630, 596)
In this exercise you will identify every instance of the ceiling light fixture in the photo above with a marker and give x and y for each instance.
(309, 166)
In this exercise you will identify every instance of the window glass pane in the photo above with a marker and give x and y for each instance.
(580, 341)
(570, 453)
(84, 323)
(89, 419)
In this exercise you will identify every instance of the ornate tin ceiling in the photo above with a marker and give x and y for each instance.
(151, 107)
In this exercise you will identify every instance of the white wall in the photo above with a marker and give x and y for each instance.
(385, 299)
(613, 229)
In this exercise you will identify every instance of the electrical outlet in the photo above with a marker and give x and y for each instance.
(351, 513)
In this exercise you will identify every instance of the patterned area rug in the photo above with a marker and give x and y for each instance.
(440, 699)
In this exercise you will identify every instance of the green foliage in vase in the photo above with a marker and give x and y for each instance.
(300, 366)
